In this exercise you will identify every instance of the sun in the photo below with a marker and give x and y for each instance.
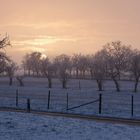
(43, 56)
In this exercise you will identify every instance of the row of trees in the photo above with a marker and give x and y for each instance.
(113, 61)
(6, 64)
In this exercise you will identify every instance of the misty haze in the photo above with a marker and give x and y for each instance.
(69, 70)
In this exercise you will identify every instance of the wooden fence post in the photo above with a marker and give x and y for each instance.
(100, 103)
(16, 97)
(28, 105)
(49, 99)
(79, 84)
(67, 101)
(132, 105)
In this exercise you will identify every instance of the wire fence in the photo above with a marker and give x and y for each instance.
(74, 101)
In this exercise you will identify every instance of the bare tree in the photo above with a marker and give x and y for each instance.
(4, 42)
(91, 65)
(75, 63)
(11, 68)
(117, 60)
(35, 60)
(27, 64)
(99, 69)
(47, 69)
(80, 65)
(20, 80)
(32, 62)
(63, 63)
(83, 65)
(4, 59)
(135, 67)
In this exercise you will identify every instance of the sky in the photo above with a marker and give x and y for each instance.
(53, 27)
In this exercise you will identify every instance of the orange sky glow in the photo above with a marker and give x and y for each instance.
(54, 27)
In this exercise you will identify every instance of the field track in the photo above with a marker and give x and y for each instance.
(77, 116)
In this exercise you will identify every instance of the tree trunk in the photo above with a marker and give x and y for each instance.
(83, 74)
(136, 84)
(91, 73)
(116, 84)
(100, 85)
(20, 82)
(77, 73)
(79, 84)
(64, 83)
(80, 74)
(10, 81)
(49, 83)
(33, 73)
(24, 71)
(29, 73)
(37, 73)
(70, 72)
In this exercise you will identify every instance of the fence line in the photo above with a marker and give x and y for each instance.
(83, 104)
(99, 107)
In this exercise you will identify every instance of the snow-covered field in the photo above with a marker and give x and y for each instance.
(114, 104)
(20, 126)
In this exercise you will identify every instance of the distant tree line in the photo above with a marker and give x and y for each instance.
(115, 61)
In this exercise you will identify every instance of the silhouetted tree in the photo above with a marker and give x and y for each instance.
(11, 68)
(27, 64)
(20, 80)
(75, 63)
(83, 65)
(63, 63)
(91, 65)
(117, 60)
(47, 69)
(32, 62)
(99, 68)
(135, 67)
(4, 42)
(4, 59)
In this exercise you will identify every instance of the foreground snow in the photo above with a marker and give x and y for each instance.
(113, 104)
(20, 126)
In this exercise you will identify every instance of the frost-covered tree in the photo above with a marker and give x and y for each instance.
(75, 63)
(63, 63)
(117, 56)
(4, 42)
(20, 80)
(135, 67)
(91, 65)
(83, 65)
(4, 59)
(31, 63)
(11, 68)
(47, 70)
(99, 68)
(27, 65)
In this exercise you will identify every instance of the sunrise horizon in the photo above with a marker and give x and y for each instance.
(67, 27)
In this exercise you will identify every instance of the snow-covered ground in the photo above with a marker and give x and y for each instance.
(20, 126)
(114, 104)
